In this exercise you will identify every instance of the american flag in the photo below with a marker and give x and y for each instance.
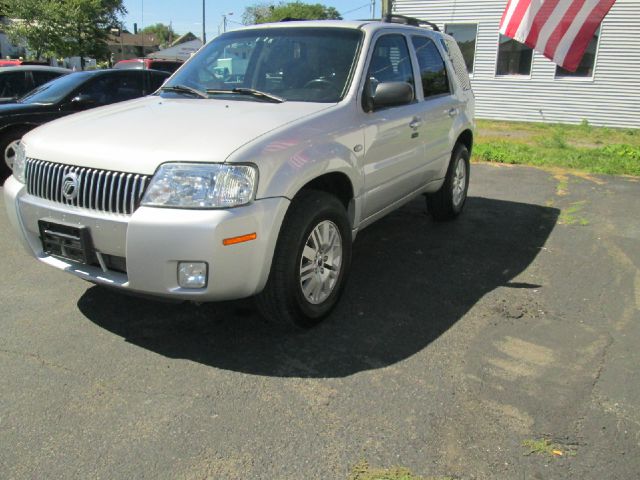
(559, 29)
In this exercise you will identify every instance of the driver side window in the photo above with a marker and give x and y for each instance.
(98, 91)
(390, 61)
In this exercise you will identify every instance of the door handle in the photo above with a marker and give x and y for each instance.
(415, 123)
(452, 112)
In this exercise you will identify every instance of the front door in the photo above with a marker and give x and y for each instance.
(394, 150)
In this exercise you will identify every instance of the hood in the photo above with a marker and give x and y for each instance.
(10, 109)
(139, 135)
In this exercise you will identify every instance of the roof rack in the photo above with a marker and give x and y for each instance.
(415, 22)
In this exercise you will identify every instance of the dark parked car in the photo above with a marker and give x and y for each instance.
(148, 63)
(18, 80)
(69, 94)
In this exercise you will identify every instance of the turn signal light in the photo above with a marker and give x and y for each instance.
(240, 239)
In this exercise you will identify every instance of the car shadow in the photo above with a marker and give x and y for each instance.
(411, 280)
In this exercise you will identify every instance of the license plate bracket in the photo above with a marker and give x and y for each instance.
(72, 242)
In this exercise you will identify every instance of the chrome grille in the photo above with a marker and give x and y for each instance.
(100, 190)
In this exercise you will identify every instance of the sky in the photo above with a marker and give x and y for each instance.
(186, 15)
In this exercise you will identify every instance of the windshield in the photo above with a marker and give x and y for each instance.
(55, 90)
(297, 64)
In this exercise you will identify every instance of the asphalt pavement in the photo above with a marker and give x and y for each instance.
(462, 349)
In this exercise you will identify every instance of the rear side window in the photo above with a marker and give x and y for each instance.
(155, 81)
(432, 68)
(457, 60)
(43, 77)
(168, 67)
(13, 84)
(127, 86)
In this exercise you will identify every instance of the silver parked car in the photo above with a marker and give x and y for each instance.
(254, 167)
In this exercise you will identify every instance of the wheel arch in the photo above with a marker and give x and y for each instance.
(17, 127)
(466, 138)
(337, 184)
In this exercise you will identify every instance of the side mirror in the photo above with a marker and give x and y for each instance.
(83, 101)
(391, 94)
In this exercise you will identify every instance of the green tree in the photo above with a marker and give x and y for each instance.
(33, 23)
(64, 27)
(164, 33)
(270, 12)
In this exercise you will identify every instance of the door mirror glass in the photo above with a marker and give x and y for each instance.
(391, 94)
(83, 100)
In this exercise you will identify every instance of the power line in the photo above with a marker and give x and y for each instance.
(368, 4)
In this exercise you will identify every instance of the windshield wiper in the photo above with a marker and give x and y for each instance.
(252, 92)
(185, 89)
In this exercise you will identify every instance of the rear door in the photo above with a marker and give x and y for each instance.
(439, 107)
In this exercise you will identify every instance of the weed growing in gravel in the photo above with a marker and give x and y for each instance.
(362, 471)
(542, 446)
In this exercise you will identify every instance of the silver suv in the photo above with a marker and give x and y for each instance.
(250, 172)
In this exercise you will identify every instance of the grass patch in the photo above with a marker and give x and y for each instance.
(362, 471)
(546, 447)
(570, 215)
(581, 147)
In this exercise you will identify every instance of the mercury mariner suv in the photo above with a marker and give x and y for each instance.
(250, 172)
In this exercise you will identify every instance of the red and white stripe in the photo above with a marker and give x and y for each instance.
(559, 29)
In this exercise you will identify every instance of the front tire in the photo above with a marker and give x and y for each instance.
(448, 202)
(310, 263)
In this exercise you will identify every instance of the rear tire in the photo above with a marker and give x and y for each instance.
(448, 202)
(310, 263)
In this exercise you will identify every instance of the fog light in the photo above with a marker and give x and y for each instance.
(192, 274)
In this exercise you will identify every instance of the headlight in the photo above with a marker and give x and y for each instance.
(19, 162)
(201, 185)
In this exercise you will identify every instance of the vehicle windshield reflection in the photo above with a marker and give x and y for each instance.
(55, 90)
(296, 64)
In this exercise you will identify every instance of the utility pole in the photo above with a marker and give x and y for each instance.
(224, 21)
(142, 24)
(204, 33)
(373, 9)
(387, 7)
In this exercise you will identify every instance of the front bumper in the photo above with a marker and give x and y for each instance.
(154, 240)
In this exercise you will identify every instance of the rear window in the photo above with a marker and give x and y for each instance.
(164, 66)
(129, 65)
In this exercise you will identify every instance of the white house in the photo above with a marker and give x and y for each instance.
(513, 83)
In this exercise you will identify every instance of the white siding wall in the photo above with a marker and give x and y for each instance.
(611, 97)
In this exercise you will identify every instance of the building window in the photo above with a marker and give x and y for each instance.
(465, 34)
(587, 64)
(514, 58)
